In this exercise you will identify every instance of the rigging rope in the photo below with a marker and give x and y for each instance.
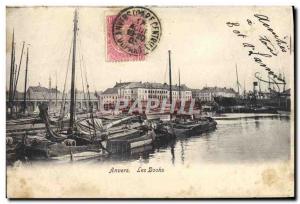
(273, 82)
(82, 83)
(80, 64)
(89, 97)
(62, 109)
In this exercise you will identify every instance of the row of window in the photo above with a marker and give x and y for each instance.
(109, 97)
(143, 97)
(151, 91)
(215, 94)
(128, 91)
(205, 98)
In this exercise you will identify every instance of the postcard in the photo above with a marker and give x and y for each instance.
(150, 102)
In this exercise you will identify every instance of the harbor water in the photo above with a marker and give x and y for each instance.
(241, 147)
(238, 138)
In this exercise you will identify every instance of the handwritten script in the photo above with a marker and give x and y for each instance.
(273, 43)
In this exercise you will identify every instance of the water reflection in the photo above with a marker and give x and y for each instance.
(242, 139)
(246, 139)
(182, 151)
(173, 155)
(256, 122)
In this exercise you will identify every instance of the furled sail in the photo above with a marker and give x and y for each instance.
(86, 126)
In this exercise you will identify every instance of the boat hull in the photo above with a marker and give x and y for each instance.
(62, 152)
(181, 131)
(126, 144)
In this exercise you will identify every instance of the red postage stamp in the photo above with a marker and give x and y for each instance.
(132, 34)
(113, 52)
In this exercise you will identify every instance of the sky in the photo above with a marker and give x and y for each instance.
(203, 47)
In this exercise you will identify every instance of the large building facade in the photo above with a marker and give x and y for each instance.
(36, 95)
(132, 91)
(207, 94)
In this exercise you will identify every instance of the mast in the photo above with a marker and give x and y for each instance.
(244, 88)
(259, 88)
(49, 81)
(56, 89)
(16, 83)
(179, 88)
(237, 80)
(14, 79)
(49, 92)
(91, 111)
(170, 81)
(12, 70)
(284, 83)
(25, 87)
(72, 104)
(269, 84)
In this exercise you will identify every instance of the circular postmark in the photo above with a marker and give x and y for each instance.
(136, 30)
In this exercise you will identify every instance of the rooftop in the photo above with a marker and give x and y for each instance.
(42, 89)
(215, 89)
(145, 85)
(113, 90)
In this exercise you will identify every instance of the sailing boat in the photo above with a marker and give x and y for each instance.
(87, 137)
(184, 124)
(70, 143)
(13, 83)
